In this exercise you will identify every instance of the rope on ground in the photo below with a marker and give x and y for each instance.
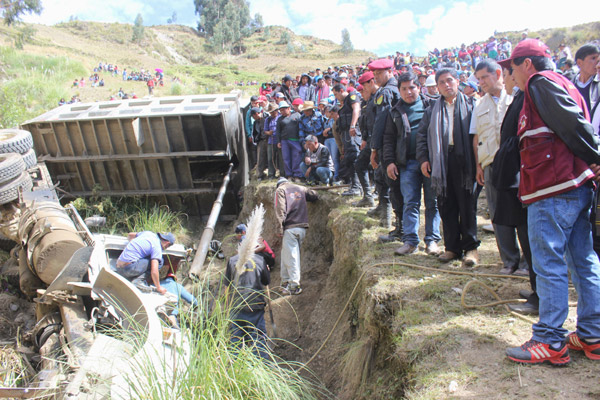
(424, 268)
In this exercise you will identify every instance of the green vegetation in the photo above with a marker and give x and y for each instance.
(11, 10)
(125, 214)
(212, 79)
(217, 369)
(138, 29)
(347, 46)
(34, 84)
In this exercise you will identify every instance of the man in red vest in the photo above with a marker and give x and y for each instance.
(559, 159)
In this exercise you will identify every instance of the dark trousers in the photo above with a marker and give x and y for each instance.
(262, 158)
(275, 160)
(249, 329)
(362, 169)
(458, 211)
(348, 170)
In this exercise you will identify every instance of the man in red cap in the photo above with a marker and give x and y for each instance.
(386, 97)
(365, 122)
(559, 159)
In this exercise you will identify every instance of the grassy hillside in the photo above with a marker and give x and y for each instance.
(43, 71)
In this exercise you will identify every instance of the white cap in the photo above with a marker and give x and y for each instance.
(430, 81)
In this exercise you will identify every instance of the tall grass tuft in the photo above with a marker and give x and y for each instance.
(156, 219)
(215, 368)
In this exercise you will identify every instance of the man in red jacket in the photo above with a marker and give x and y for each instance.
(559, 159)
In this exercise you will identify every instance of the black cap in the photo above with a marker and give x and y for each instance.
(254, 98)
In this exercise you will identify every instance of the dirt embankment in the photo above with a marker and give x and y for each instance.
(334, 254)
(405, 333)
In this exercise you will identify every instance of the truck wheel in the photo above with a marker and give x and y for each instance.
(12, 165)
(29, 158)
(15, 141)
(10, 191)
(6, 244)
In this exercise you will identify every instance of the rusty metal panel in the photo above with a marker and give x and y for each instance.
(173, 149)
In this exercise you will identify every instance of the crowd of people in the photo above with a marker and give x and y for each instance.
(520, 123)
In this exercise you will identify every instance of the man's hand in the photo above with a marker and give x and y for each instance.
(426, 169)
(363, 144)
(480, 176)
(279, 145)
(268, 133)
(161, 290)
(392, 171)
(326, 132)
(352, 131)
(307, 172)
(374, 159)
(596, 170)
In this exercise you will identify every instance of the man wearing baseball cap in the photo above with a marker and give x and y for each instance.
(559, 159)
(142, 257)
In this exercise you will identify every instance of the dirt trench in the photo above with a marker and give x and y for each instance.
(334, 255)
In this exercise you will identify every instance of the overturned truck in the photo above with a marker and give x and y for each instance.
(175, 150)
(91, 322)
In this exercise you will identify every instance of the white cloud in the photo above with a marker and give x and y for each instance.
(89, 10)
(463, 23)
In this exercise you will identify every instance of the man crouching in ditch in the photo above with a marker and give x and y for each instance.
(142, 257)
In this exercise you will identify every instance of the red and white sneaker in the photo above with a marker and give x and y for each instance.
(592, 351)
(534, 352)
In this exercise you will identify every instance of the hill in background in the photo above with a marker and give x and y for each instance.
(36, 77)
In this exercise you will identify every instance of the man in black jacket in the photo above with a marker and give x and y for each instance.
(317, 164)
(402, 167)
(249, 302)
(386, 97)
(445, 154)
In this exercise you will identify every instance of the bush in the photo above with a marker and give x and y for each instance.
(176, 89)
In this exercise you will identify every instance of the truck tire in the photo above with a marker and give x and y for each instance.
(29, 158)
(6, 244)
(15, 141)
(12, 166)
(10, 191)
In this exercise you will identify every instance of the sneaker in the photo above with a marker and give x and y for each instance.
(295, 290)
(285, 291)
(534, 352)
(433, 249)
(405, 249)
(592, 351)
(448, 256)
(471, 258)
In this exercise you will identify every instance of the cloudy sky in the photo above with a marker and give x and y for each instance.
(381, 26)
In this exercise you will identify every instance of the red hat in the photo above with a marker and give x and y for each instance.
(360, 88)
(262, 98)
(366, 77)
(382, 63)
(344, 81)
(525, 48)
(297, 101)
(350, 89)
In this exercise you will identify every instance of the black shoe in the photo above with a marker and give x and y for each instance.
(351, 192)
(525, 294)
(524, 308)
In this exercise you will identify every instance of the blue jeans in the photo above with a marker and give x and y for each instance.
(136, 269)
(178, 290)
(322, 174)
(335, 156)
(411, 182)
(248, 328)
(292, 157)
(560, 238)
(290, 255)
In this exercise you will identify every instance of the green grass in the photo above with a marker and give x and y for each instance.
(34, 84)
(216, 369)
(131, 214)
